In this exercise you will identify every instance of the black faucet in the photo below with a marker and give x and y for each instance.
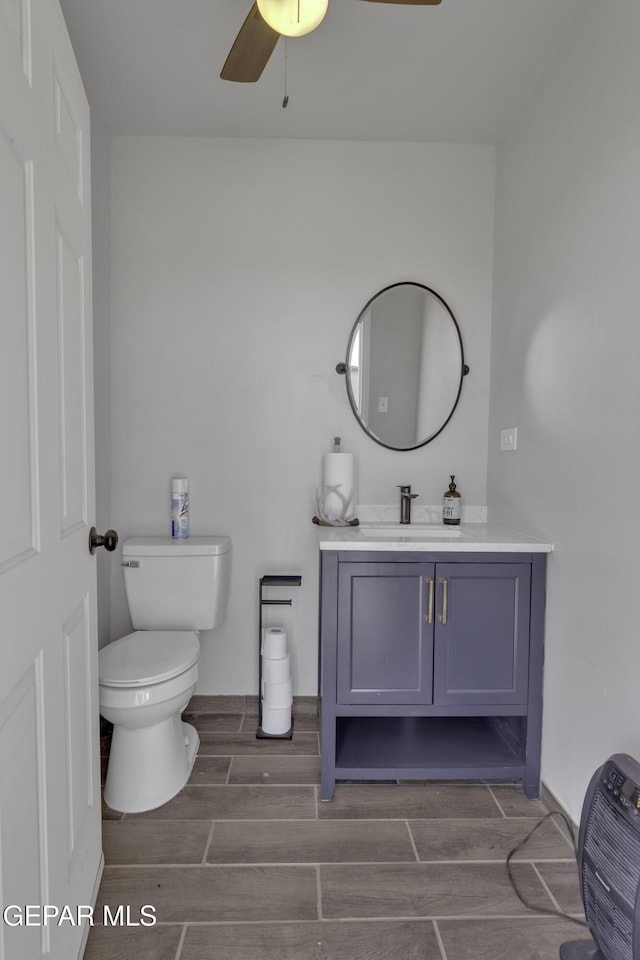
(405, 503)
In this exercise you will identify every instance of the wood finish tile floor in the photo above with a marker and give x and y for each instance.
(246, 863)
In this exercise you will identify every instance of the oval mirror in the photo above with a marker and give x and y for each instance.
(405, 365)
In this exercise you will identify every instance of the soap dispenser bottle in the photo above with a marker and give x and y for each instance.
(451, 504)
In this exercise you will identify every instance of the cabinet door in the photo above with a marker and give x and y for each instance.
(482, 633)
(385, 633)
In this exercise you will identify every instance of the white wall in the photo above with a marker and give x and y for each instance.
(565, 353)
(238, 269)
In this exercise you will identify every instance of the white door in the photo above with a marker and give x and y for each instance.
(49, 777)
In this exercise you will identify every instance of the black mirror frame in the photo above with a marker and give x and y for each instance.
(343, 367)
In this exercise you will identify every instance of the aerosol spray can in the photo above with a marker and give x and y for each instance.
(180, 508)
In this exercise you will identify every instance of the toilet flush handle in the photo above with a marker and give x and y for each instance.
(109, 541)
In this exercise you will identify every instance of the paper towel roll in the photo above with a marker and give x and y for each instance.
(338, 472)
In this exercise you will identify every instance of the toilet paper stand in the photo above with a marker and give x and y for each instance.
(271, 581)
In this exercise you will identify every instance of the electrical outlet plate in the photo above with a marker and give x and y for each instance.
(509, 439)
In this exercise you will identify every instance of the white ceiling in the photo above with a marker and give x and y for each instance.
(451, 73)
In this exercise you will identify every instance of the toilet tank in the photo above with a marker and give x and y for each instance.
(177, 584)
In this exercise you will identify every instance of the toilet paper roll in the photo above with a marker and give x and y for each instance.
(276, 670)
(338, 472)
(276, 721)
(278, 695)
(274, 643)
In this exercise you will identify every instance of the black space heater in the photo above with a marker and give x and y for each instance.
(609, 864)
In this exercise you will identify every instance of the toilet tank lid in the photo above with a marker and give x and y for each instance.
(168, 547)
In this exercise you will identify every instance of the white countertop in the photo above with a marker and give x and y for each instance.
(468, 538)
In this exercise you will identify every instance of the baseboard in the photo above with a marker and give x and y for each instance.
(244, 703)
(551, 802)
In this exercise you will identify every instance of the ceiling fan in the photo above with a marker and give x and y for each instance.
(267, 21)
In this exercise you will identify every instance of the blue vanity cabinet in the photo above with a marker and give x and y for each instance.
(440, 633)
(481, 651)
(385, 633)
(431, 666)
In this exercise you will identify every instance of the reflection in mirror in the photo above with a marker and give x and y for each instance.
(404, 366)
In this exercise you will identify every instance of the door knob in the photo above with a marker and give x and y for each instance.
(109, 541)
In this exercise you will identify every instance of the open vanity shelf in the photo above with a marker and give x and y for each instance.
(431, 666)
(406, 748)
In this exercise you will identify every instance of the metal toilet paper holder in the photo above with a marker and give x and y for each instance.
(278, 580)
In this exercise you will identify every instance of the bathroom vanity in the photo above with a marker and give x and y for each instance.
(431, 654)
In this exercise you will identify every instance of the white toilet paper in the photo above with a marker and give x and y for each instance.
(276, 721)
(276, 670)
(274, 643)
(278, 695)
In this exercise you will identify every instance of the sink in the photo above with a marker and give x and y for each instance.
(416, 531)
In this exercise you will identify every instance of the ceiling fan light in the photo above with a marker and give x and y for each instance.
(293, 18)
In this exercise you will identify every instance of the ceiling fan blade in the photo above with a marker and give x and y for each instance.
(251, 49)
(413, 3)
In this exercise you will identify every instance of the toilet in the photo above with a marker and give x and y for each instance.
(175, 588)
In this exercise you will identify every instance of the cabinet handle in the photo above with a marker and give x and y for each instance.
(445, 591)
(429, 616)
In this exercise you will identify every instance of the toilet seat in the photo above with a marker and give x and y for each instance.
(147, 657)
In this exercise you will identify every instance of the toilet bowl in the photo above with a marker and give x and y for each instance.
(146, 678)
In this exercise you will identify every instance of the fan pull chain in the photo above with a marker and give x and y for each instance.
(285, 99)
